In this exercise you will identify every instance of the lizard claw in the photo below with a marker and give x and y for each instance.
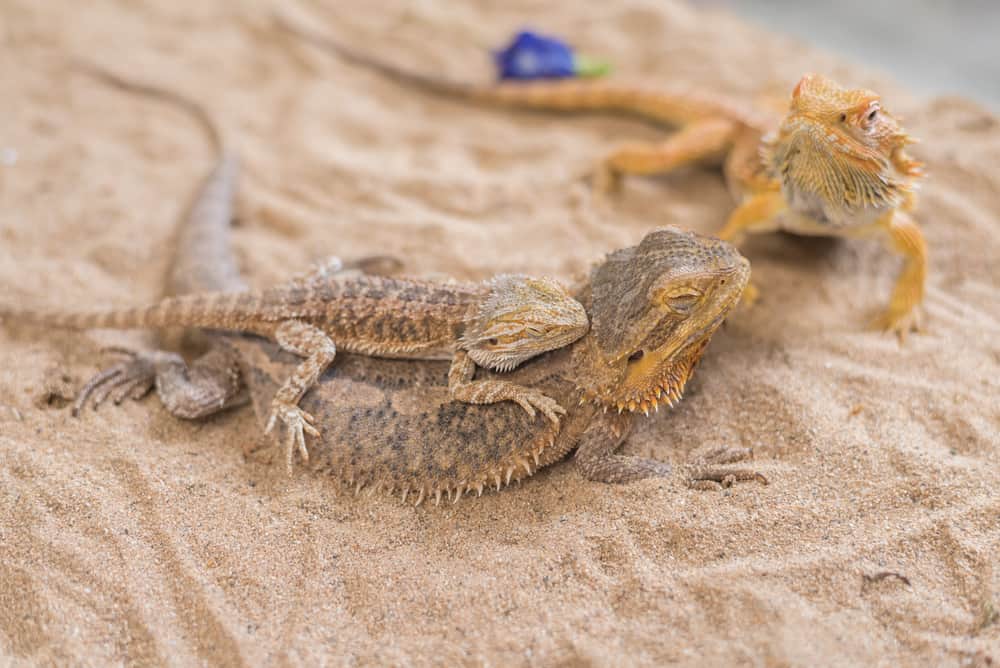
(899, 322)
(606, 181)
(530, 400)
(297, 424)
(711, 471)
(131, 378)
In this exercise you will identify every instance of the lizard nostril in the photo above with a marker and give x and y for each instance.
(636, 356)
(492, 342)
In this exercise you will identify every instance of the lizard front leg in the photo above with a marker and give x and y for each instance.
(701, 140)
(903, 236)
(757, 215)
(596, 458)
(712, 470)
(212, 383)
(461, 387)
(595, 455)
(312, 343)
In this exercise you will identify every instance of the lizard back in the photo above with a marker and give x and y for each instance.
(390, 424)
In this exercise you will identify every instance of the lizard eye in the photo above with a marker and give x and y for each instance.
(534, 332)
(843, 118)
(873, 114)
(681, 301)
(492, 342)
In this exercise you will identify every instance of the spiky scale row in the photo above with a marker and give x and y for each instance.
(515, 467)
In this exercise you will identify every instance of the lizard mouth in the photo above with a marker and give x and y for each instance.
(656, 376)
(659, 376)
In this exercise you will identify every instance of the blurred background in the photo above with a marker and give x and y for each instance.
(935, 47)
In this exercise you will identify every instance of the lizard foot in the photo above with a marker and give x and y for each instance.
(132, 378)
(711, 471)
(529, 400)
(297, 424)
(899, 321)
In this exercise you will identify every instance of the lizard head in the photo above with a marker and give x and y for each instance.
(522, 317)
(654, 308)
(842, 146)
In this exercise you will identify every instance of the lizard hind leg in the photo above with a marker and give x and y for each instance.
(699, 141)
(312, 343)
(212, 382)
(133, 377)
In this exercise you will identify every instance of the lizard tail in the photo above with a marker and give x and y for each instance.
(565, 95)
(230, 311)
(180, 101)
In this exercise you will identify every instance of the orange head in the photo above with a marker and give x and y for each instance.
(841, 146)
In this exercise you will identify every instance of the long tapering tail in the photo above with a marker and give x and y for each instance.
(232, 311)
(565, 95)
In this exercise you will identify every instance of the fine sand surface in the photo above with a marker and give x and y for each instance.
(130, 536)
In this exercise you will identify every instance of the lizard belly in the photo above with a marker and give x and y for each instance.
(810, 214)
(392, 424)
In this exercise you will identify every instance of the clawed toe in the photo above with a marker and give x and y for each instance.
(547, 405)
(898, 323)
(132, 378)
(297, 424)
(710, 471)
(723, 477)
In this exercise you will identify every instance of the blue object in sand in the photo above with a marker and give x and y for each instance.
(534, 56)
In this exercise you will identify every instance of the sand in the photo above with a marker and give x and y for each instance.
(128, 536)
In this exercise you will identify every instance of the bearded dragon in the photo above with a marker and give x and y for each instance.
(836, 165)
(389, 424)
(497, 324)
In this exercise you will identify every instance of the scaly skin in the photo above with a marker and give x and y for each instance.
(827, 171)
(498, 324)
(390, 425)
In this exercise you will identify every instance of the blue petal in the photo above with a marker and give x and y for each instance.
(534, 56)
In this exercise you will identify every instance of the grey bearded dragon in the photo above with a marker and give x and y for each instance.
(497, 324)
(392, 425)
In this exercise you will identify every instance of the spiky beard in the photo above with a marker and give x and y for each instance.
(668, 388)
(836, 167)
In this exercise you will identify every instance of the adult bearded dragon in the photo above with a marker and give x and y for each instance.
(389, 425)
(835, 166)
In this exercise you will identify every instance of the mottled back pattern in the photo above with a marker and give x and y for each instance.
(392, 425)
